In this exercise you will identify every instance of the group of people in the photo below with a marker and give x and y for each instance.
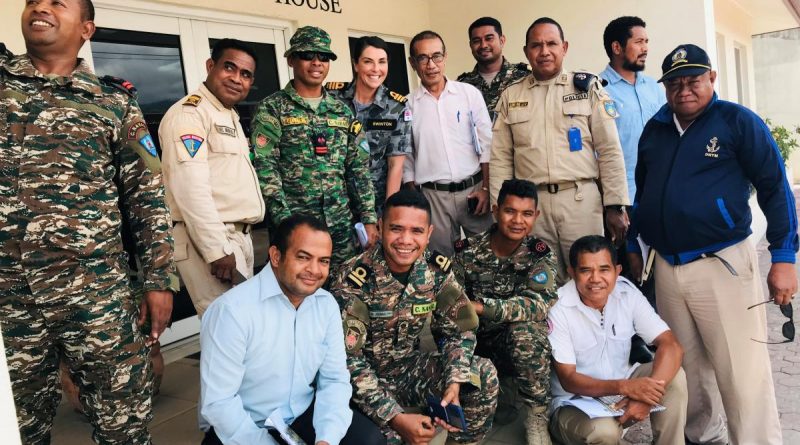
(554, 176)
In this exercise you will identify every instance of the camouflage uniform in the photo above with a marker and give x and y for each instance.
(64, 282)
(387, 122)
(507, 75)
(382, 324)
(516, 293)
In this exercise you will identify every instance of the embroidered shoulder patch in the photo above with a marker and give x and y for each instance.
(147, 142)
(355, 334)
(538, 247)
(610, 108)
(192, 142)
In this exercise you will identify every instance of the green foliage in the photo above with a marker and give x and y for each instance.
(785, 138)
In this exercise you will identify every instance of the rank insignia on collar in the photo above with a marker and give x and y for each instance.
(359, 276)
(147, 142)
(192, 142)
(442, 261)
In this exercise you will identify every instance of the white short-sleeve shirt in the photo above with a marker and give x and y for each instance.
(599, 344)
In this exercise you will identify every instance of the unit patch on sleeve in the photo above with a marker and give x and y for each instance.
(192, 142)
(355, 334)
(610, 108)
(261, 140)
(147, 142)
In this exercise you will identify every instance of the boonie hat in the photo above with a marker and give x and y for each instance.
(685, 60)
(310, 38)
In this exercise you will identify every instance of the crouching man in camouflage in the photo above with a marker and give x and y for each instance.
(510, 277)
(76, 160)
(386, 295)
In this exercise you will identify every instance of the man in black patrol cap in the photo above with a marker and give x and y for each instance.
(698, 157)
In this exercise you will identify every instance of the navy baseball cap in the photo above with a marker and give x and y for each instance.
(685, 60)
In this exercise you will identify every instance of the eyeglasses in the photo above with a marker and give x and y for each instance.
(423, 59)
(309, 56)
(788, 327)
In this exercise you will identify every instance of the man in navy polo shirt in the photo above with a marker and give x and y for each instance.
(697, 158)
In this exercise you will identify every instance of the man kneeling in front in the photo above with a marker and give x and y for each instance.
(274, 344)
(591, 327)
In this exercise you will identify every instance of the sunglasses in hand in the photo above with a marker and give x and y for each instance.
(788, 327)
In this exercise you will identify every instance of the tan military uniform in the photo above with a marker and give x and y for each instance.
(212, 191)
(531, 141)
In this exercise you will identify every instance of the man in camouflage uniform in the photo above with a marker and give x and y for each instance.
(492, 72)
(76, 159)
(386, 294)
(510, 277)
(387, 122)
(311, 153)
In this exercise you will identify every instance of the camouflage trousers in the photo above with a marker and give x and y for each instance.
(422, 375)
(95, 332)
(520, 350)
(344, 246)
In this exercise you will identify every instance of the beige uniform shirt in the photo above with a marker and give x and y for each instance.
(207, 171)
(530, 136)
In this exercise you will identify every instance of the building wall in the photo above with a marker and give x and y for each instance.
(583, 24)
(734, 28)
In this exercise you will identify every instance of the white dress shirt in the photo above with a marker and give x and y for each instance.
(443, 137)
(599, 344)
(260, 354)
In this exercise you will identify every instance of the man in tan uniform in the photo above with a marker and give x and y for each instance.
(556, 128)
(212, 188)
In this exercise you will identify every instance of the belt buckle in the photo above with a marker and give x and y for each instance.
(552, 188)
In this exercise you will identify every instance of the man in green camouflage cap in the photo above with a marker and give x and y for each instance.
(311, 154)
(510, 278)
(76, 160)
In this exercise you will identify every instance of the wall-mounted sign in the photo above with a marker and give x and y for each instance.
(321, 5)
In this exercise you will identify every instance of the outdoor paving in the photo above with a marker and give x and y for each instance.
(175, 409)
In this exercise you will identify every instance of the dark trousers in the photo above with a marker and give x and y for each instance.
(362, 431)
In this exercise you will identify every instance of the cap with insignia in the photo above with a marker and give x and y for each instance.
(685, 60)
(310, 38)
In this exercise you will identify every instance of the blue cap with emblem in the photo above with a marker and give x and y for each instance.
(685, 60)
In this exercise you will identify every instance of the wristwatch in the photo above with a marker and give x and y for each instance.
(619, 208)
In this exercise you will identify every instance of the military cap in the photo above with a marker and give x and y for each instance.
(685, 60)
(310, 38)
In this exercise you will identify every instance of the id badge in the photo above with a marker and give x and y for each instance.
(574, 137)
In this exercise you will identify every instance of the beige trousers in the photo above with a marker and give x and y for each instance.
(449, 214)
(705, 305)
(569, 425)
(195, 273)
(566, 216)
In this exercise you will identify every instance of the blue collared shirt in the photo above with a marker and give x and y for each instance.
(636, 104)
(260, 354)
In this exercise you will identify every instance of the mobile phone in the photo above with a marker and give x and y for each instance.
(472, 204)
(451, 414)
(435, 408)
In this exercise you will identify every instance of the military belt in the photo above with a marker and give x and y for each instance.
(555, 188)
(453, 187)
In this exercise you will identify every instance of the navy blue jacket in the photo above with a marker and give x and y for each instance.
(692, 191)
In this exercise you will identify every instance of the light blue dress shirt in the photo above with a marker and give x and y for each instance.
(259, 354)
(636, 104)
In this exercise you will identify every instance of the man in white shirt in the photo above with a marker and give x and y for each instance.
(591, 328)
(452, 137)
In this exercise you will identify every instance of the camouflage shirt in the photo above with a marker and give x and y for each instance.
(383, 320)
(311, 161)
(75, 159)
(387, 122)
(507, 75)
(521, 287)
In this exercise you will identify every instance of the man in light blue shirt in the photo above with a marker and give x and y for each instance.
(636, 96)
(274, 344)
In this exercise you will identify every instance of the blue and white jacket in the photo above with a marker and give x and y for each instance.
(692, 190)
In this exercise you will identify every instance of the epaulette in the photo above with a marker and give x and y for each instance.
(583, 80)
(359, 275)
(460, 245)
(538, 247)
(335, 86)
(523, 66)
(120, 84)
(441, 261)
(193, 100)
(5, 52)
(398, 97)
